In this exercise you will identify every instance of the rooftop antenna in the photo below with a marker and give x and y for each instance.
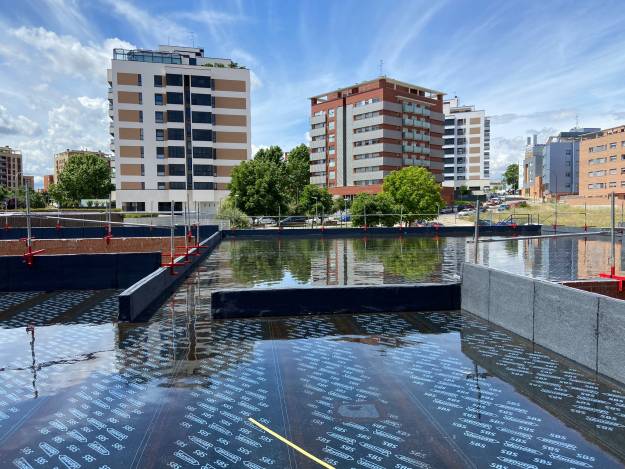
(576, 121)
(192, 39)
(381, 67)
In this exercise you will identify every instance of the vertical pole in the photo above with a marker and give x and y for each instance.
(345, 209)
(365, 216)
(401, 216)
(585, 217)
(108, 216)
(555, 216)
(185, 220)
(171, 234)
(612, 237)
(29, 241)
(279, 225)
(197, 227)
(476, 235)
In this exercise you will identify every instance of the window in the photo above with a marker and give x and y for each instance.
(160, 153)
(331, 125)
(612, 184)
(158, 117)
(158, 99)
(612, 145)
(366, 156)
(367, 101)
(174, 98)
(331, 150)
(175, 152)
(140, 82)
(331, 138)
(613, 171)
(613, 158)
(140, 98)
(158, 81)
(201, 117)
(160, 170)
(331, 113)
(173, 79)
(461, 121)
(202, 152)
(175, 134)
(202, 170)
(142, 152)
(449, 132)
(321, 125)
(200, 99)
(140, 134)
(203, 186)
(175, 185)
(160, 186)
(448, 151)
(160, 135)
(140, 116)
(366, 115)
(176, 170)
(175, 116)
(200, 82)
(202, 135)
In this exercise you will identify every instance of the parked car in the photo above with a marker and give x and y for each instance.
(267, 221)
(447, 210)
(466, 212)
(346, 217)
(293, 221)
(503, 207)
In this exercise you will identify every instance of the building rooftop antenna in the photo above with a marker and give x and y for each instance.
(382, 68)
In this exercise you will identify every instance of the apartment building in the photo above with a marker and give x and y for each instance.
(61, 159)
(466, 146)
(48, 180)
(602, 163)
(532, 182)
(361, 133)
(10, 168)
(29, 181)
(181, 122)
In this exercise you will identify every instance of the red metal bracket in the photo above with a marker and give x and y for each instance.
(612, 275)
(29, 254)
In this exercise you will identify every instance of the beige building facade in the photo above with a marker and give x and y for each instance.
(11, 175)
(180, 124)
(602, 163)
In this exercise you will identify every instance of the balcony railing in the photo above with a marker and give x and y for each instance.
(147, 56)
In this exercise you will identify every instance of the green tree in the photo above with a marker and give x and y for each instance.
(273, 154)
(37, 199)
(315, 199)
(374, 209)
(339, 204)
(257, 187)
(298, 173)
(511, 176)
(236, 218)
(464, 190)
(84, 176)
(415, 192)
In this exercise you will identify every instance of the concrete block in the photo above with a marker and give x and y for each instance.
(511, 302)
(565, 321)
(475, 289)
(258, 302)
(611, 346)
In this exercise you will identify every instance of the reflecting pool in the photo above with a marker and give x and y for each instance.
(319, 261)
(413, 390)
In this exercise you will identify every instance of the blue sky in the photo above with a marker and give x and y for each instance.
(532, 65)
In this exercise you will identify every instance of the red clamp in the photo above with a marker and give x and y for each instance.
(514, 226)
(7, 227)
(108, 238)
(365, 227)
(29, 254)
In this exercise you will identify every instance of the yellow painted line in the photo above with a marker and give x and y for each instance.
(292, 445)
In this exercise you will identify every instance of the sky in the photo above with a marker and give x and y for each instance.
(533, 66)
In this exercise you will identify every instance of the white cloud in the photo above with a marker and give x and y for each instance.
(18, 125)
(66, 54)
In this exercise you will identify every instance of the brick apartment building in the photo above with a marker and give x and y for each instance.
(10, 168)
(602, 163)
(359, 134)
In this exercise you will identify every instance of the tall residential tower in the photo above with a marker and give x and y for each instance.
(363, 132)
(11, 168)
(181, 122)
(466, 146)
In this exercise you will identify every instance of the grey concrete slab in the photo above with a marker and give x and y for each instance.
(611, 343)
(511, 302)
(565, 321)
(475, 289)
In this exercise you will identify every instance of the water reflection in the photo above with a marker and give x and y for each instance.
(288, 262)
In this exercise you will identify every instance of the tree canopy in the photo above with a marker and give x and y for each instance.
(274, 154)
(268, 182)
(84, 176)
(373, 210)
(415, 192)
(315, 199)
(511, 175)
(257, 187)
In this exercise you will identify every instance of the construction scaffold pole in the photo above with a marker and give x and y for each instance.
(476, 235)
(612, 236)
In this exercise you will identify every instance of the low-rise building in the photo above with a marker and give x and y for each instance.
(532, 183)
(29, 181)
(602, 163)
(10, 168)
(61, 159)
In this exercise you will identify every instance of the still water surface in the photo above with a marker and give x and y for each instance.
(414, 390)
